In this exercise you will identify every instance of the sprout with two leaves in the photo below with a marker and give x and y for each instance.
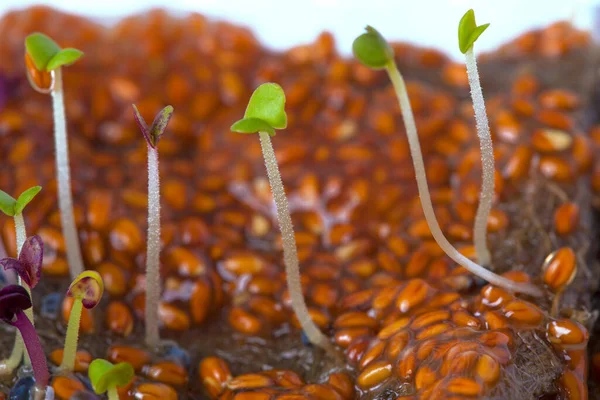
(106, 377)
(152, 135)
(44, 59)
(14, 300)
(264, 114)
(86, 290)
(373, 50)
(468, 32)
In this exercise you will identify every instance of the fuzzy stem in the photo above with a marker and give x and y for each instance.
(487, 162)
(436, 231)
(113, 393)
(65, 197)
(290, 252)
(34, 348)
(72, 337)
(152, 251)
(21, 236)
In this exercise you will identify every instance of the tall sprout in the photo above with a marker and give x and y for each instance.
(468, 32)
(44, 60)
(373, 50)
(266, 113)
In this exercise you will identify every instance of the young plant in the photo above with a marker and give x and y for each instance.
(264, 114)
(43, 58)
(14, 208)
(14, 299)
(468, 32)
(107, 377)
(152, 136)
(86, 290)
(373, 50)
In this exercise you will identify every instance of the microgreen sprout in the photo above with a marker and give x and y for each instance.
(86, 290)
(372, 49)
(14, 208)
(264, 114)
(107, 377)
(468, 32)
(14, 299)
(47, 57)
(152, 135)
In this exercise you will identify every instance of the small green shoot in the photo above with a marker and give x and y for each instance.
(372, 49)
(152, 135)
(468, 31)
(265, 111)
(47, 55)
(107, 377)
(264, 114)
(11, 206)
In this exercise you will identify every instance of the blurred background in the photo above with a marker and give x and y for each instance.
(283, 23)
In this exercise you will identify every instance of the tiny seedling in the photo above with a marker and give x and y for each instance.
(14, 208)
(14, 299)
(47, 56)
(152, 136)
(86, 290)
(373, 50)
(266, 113)
(107, 377)
(468, 32)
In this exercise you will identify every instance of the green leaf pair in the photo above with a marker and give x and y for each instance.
(468, 31)
(104, 375)
(47, 55)
(11, 206)
(372, 49)
(265, 111)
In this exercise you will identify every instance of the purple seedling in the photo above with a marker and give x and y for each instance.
(86, 290)
(14, 299)
(28, 267)
(48, 57)
(152, 135)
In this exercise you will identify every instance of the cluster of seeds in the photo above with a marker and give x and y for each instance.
(408, 320)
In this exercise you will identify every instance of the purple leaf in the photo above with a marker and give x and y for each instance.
(143, 126)
(29, 264)
(13, 298)
(153, 134)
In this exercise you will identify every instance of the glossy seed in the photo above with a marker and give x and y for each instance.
(374, 374)
(243, 321)
(166, 372)
(523, 312)
(249, 381)
(559, 268)
(425, 377)
(464, 387)
(65, 387)
(154, 391)
(214, 374)
(119, 318)
(413, 294)
(567, 332)
(136, 357)
(82, 359)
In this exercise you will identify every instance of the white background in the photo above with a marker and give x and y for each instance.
(283, 23)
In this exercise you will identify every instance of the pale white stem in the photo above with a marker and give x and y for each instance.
(65, 197)
(21, 236)
(487, 162)
(290, 252)
(436, 231)
(153, 251)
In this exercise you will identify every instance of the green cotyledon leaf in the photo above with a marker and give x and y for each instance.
(468, 31)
